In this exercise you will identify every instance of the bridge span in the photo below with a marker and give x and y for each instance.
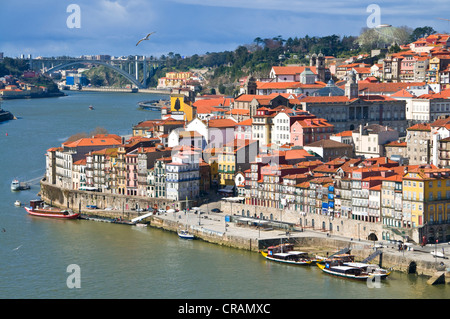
(131, 68)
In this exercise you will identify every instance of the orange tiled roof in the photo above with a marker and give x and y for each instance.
(325, 99)
(397, 144)
(314, 123)
(247, 122)
(213, 102)
(202, 109)
(238, 112)
(292, 70)
(420, 127)
(344, 133)
(92, 142)
(387, 87)
(222, 123)
(296, 154)
(441, 122)
(245, 98)
(402, 93)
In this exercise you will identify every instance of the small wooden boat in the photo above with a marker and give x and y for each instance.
(38, 208)
(291, 257)
(358, 271)
(285, 253)
(184, 234)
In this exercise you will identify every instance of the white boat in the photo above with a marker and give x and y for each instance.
(141, 225)
(185, 234)
(354, 271)
(285, 253)
(370, 269)
(15, 185)
(17, 203)
(438, 254)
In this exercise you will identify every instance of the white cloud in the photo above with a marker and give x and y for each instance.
(193, 26)
(333, 7)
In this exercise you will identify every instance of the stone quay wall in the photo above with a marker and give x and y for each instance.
(315, 243)
(208, 235)
(78, 201)
(345, 227)
(318, 245)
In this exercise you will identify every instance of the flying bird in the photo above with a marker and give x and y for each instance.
(143, 39)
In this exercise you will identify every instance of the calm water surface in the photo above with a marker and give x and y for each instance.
(118, 261)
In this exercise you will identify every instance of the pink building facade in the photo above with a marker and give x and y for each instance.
(310, 130)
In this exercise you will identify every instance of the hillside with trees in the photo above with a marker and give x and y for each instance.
(224, 69)
(16, 68)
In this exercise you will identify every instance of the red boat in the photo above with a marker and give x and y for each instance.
(37, 208)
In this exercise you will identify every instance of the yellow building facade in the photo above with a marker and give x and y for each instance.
(426, 196)
(227, 166)
(180, 105)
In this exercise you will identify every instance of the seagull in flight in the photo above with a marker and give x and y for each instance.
(143, 39)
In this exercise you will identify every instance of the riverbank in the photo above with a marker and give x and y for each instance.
(32, 96)
(125, 90)
(6, 116)
(213, 228)
(222, 229)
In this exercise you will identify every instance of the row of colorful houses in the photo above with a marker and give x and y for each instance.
(409, 201)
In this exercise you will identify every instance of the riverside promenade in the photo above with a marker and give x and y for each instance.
(227, 230)
(213, 227)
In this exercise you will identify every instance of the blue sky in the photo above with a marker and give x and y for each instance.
(192, 26)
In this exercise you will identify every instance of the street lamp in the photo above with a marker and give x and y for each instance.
(435, 251)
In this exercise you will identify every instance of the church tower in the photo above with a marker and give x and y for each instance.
(250, 86)
(320, 67)
(318, 60)
(351, 87)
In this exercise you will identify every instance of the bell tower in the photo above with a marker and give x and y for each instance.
(351, 87)
(320, 67)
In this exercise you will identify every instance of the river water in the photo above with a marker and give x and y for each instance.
(43, 258)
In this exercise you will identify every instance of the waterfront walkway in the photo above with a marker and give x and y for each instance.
(215, 223)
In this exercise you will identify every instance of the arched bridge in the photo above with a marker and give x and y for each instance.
(147, 66)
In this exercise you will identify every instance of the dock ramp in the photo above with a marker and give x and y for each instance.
(134, 220)
(342, 251)
(372, 256)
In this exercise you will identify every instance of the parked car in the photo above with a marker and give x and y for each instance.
(215, 210)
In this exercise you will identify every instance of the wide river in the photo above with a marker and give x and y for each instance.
(43, 258)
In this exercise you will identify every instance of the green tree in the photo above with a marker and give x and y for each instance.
(421, 32)
(96, 80)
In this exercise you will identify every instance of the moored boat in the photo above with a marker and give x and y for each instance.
(351, 270)
(38, 208)
(15, 186)
(337, 258)
(17, 203)
(285, 253)
(182, 233)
